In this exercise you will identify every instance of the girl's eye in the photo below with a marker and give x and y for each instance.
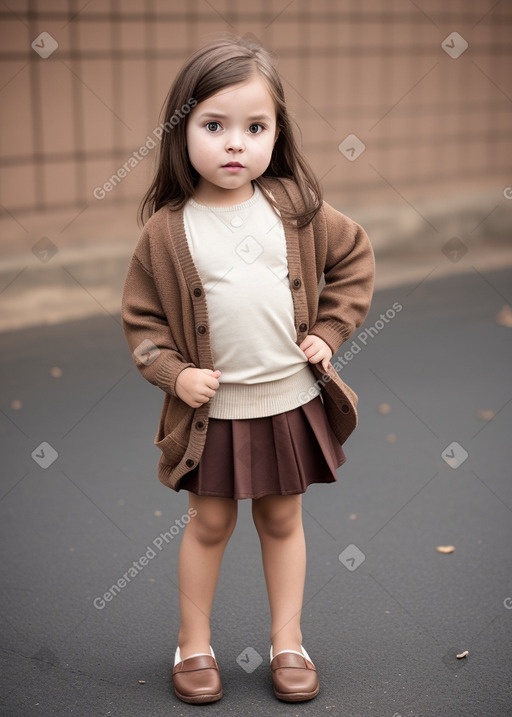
(256, 128)
(212, 126)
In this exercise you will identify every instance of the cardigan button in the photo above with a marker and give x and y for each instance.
(303, 327)
(189, 463)
(197, 292)
(297, 283)
(200, 425)
(345, 408)
(201, 329)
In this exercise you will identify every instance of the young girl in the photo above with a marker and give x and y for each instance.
(221, 310)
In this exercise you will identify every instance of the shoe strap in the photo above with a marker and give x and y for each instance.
(295, 652)
(177, 656)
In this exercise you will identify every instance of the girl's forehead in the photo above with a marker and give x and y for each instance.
(254, 90)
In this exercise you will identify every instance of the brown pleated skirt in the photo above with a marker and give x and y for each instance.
(274, 455)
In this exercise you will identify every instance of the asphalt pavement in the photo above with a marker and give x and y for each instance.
(385, 612)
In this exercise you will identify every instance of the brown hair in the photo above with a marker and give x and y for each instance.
(224, 62)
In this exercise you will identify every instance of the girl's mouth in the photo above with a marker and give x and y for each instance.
(233, 166)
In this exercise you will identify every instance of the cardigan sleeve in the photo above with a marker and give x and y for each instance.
(147, 330)
(349, 274)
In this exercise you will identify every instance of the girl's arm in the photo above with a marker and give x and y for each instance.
(349, 273)
(147, 330)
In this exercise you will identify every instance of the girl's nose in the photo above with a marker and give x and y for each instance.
(235, 143)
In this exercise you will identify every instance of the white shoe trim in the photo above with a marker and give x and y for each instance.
(303, 653)
(177, 655)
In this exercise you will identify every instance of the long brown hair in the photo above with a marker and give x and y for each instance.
(221, 63)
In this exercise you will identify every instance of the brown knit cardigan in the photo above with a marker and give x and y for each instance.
(165, 318)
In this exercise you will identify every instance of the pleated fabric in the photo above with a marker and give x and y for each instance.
(274, 455)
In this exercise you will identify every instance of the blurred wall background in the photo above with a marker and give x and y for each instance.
(404, 109)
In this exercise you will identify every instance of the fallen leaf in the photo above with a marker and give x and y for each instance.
(56, 372)
(384, 408)
(16, 405)
(391, 438)
(352, 516)
(486, 415)
(142, 682)
(462, 654)
(445, 548)
(158, 513)
(504, 317)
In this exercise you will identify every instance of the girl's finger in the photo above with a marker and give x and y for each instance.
(316, 357)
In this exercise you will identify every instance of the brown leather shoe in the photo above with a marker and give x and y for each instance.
(196, 679)
(293, 676)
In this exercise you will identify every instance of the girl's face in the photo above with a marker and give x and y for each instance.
(230, 137)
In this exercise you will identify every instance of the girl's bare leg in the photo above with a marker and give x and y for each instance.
(278, 520)
(201, 551)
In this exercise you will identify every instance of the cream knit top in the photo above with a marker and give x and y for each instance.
(240, 255)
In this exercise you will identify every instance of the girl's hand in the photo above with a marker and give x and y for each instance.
(196, 386)
(316, 350)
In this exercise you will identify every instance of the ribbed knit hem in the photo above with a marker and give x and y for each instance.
(256, 400)
(334, 333)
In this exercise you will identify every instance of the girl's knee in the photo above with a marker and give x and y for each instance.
(277, 516)
(215, 519)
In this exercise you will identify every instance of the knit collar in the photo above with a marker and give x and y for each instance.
(232, 208)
